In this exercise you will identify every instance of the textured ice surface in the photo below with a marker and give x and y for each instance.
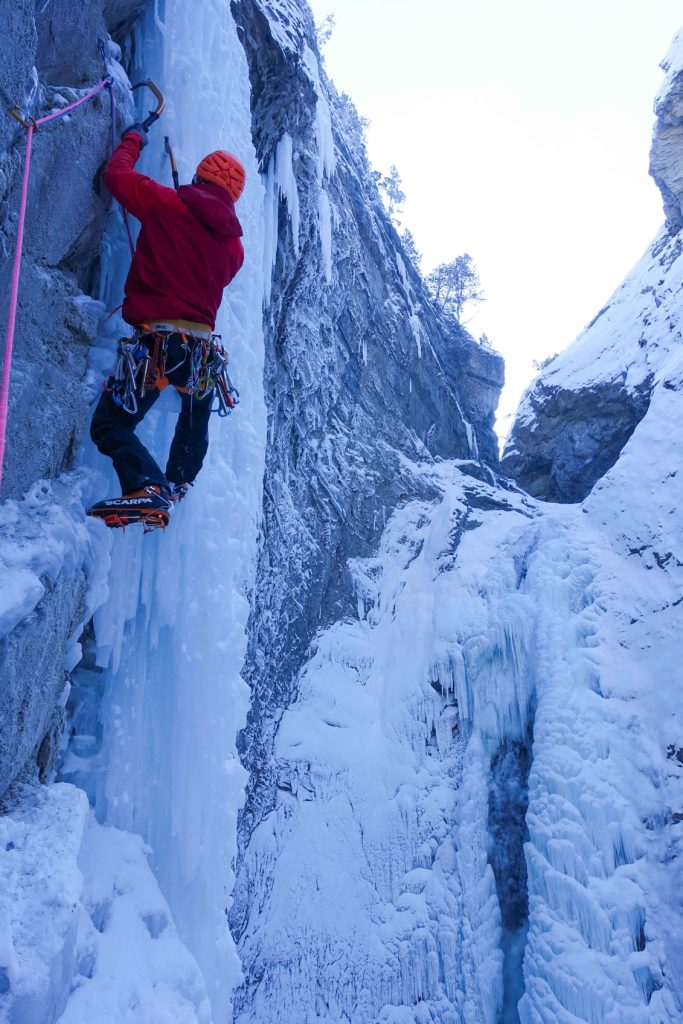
(171, 636)
(474, 623)
(377, 893)
(41, 536)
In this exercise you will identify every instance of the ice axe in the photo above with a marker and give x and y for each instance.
(153, 115)
(174, 166)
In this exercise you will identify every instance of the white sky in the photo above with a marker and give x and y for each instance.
(521, 130)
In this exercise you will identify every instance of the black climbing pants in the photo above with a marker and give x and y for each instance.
(113, 430)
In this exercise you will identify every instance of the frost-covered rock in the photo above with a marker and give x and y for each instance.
(666, 155)
(575, 419)
(362, 376)
(48, 52)
(51, 566)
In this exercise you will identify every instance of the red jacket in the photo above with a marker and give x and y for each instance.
(189, 246)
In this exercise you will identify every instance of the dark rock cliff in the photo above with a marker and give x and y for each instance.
(363, 378)
(49, 52)
(572, 438)
(52, 51)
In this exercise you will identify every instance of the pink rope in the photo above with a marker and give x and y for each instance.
(16, 266)
(77, 103)
(13, 300)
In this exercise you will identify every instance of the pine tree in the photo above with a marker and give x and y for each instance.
(324, 29)
(411, 249)
(391, 185)
(455, 284)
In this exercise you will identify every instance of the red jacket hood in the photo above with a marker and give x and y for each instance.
(213, 207)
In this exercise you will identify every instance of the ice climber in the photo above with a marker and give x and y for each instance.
(188, 250)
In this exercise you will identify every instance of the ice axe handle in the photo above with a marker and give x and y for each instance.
(174, 167)
(153, 115)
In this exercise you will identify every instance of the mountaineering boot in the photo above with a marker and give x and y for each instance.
(147, 505)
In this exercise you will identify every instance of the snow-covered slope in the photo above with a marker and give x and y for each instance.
(86, 934)
(577, 416)
(504, 654)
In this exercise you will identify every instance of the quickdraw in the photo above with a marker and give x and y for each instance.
(141, 363)
(123, 383)
(209, 375)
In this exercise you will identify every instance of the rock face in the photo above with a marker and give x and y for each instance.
(576, 418)
(666, 155)
(362, 376)
(572, 438)
(57, 54)
(49, 52)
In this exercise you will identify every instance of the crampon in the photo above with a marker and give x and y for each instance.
(151, 509)
(115, 520)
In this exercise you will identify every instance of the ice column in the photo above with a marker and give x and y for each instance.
(171, 635)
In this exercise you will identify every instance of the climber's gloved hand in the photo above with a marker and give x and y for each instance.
(140, 130)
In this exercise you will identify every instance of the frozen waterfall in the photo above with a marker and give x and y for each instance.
(465, 792)
(161, 679)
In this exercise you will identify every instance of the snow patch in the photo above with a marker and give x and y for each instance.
(130, 964)
(40, 889)
(42, 535)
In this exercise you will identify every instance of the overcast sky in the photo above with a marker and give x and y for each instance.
(521, 132)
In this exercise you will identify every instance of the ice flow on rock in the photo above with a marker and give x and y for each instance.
(456, 793)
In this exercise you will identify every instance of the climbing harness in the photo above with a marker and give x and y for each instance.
(141, 366)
